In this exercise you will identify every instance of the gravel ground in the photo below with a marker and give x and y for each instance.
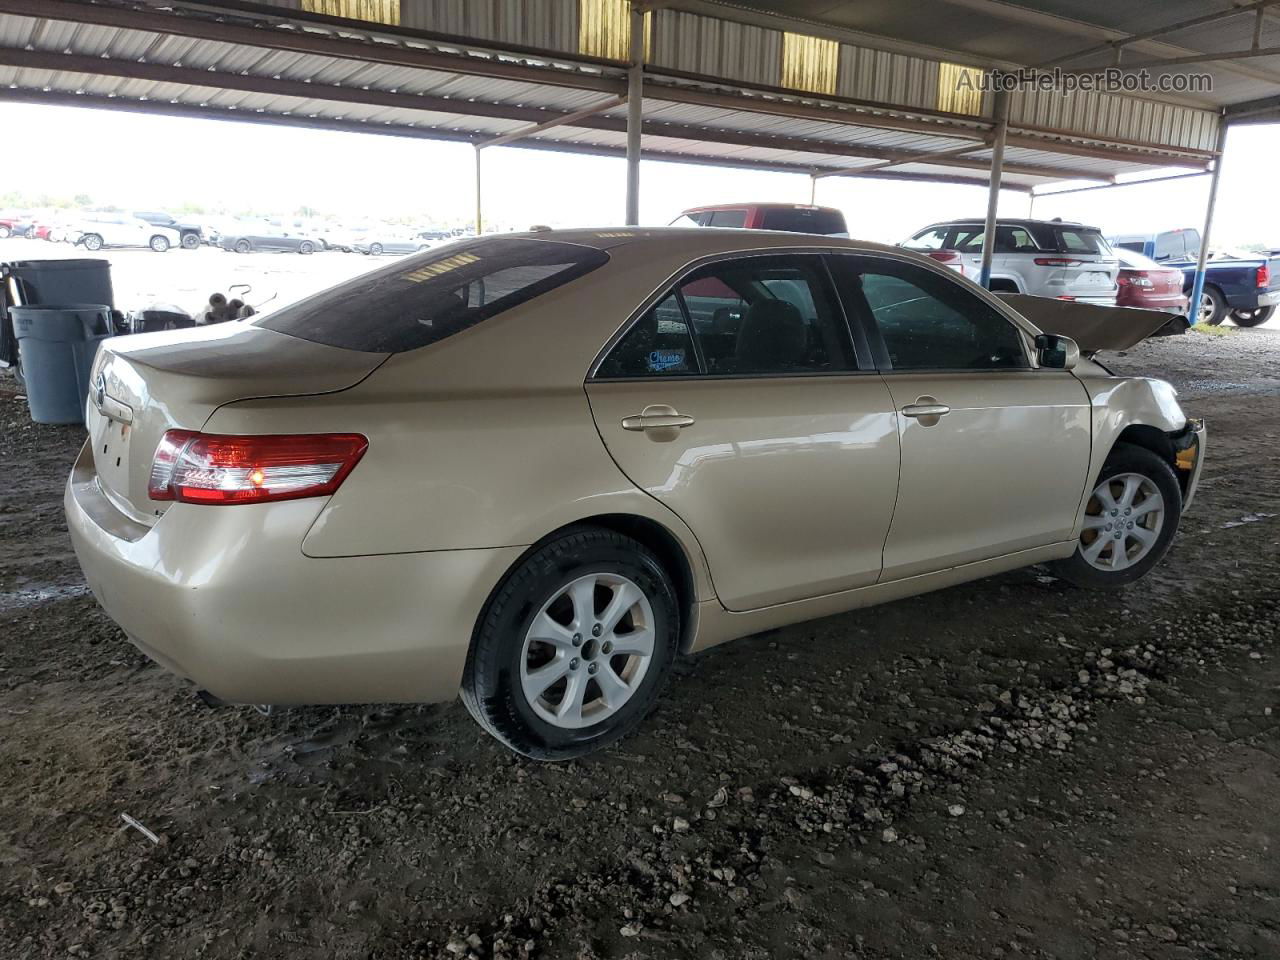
(1012, 768)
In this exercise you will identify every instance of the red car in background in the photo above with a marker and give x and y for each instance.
(1148, 284)
(788, 217)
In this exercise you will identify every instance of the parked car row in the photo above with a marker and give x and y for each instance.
(161, 231)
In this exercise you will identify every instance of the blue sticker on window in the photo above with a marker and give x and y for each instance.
(660, 360)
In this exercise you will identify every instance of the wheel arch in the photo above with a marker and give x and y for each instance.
(670, 552)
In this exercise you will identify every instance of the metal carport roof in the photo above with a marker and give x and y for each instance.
(275, 62)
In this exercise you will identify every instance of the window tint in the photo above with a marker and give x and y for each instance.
(1015, 240)
(934, 239)
(766, 315)
(658, 345)
(751, 316)
(1136, 246)
(726, 218)
(804, 220)
(1071, 240)
(425, 298)
(969, 239)
(929, 322)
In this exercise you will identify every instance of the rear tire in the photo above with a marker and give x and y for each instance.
(159, 244)
(552, 614)
(5, 232)
(306, 247)
(1213, 307)
(190, 241)
(1140, 520)
(1252, 318)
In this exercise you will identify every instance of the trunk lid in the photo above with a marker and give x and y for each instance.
(146, 384)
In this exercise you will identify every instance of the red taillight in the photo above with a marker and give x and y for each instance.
(209, 468)
(1136, 278)
(946, 256)
(1057, 262)
(1264, 276)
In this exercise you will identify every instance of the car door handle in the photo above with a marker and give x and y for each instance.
(659, 420)
(925, 410)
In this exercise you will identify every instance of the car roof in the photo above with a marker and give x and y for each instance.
(1008, 222)
(690, 243)
(711, 207)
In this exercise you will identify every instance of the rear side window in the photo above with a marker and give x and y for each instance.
(426, 298)
(753, 316)
(804, 220)
(725, 218)
(934, 239)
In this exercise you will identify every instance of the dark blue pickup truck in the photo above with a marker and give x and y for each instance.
(1247, 289)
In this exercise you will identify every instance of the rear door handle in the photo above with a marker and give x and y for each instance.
(658, 421)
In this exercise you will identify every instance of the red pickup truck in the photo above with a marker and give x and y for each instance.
(789, 217)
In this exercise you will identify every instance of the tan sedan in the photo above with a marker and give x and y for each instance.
(536, 469)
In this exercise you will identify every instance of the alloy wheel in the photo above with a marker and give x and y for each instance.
(587, 650)
(1122, 522)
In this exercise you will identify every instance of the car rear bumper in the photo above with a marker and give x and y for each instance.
(1252, 301)
(224, 597)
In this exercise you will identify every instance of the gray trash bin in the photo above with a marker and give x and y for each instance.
(56, 346)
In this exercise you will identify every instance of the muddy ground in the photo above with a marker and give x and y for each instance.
(1011, 768)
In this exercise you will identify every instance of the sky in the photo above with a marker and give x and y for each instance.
(136, 161)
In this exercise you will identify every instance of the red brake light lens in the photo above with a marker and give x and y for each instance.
(216, 469)
(1057, 262)
(945, 256)
(1264, 276)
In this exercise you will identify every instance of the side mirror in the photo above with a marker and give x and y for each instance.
(1056, 352)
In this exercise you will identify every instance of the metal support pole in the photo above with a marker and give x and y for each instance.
(993, 193)
(813, 190)
(479, 219)
(635, 113)
(1031, 205)
(1197, 287)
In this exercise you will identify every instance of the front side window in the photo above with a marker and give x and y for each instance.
(436, 294)
(929, 322)
(753, 316)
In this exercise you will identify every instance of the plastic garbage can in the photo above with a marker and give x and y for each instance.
(57, 346)
(49, 282)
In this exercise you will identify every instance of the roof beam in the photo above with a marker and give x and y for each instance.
(884, 164)
(565, 119)
(164, 108)
(544, 119)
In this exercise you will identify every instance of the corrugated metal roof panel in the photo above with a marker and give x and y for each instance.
(717, 48)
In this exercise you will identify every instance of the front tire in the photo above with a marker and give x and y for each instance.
(1252, 318)
(375, 249)
(92, 241)
(573, 648)
(1130, 520)
(306, 248)
(243, 246)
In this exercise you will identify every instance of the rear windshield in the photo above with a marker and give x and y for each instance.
(1080, 240)
(433, 295)
(801, 220)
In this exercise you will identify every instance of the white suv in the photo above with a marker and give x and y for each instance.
(1043, 258)
(122, 230)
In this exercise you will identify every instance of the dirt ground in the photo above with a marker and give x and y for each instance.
(1011, 768)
